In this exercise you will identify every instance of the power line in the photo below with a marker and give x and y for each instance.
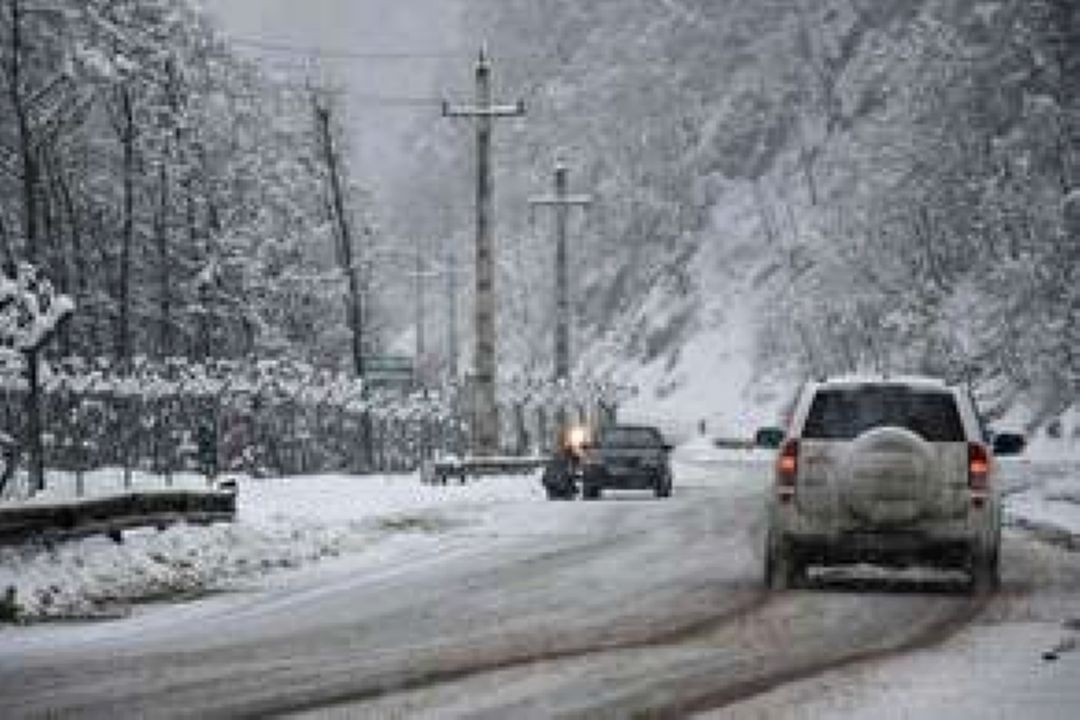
(384, 100)
(294, 92)
(312, 51)
(394, 101)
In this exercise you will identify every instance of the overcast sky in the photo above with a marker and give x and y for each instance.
(358, 26)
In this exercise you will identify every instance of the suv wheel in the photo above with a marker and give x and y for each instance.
(554, 494)
(782, 567)
(985, 570)
(663, 487)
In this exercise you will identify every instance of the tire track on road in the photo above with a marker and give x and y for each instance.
(691, 609)
(463, 664)
(692, 682)
(932, 635)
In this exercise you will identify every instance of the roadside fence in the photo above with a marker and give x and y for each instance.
(177, 419)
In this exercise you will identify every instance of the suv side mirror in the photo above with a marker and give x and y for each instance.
(1007, 443)
(769, 437)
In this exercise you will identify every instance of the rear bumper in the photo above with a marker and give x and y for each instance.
(898, 549)
(635, 479)
(937, 543)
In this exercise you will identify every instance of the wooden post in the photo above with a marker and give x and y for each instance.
(33, 421)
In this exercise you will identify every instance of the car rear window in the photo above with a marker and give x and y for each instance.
(846, 413)
(630, 437)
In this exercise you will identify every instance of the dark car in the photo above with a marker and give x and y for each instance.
(626, 457)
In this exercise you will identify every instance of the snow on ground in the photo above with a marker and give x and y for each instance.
(712, 382)
(290, 522)
(1042, 487)
(1065, 447)
(286, 523)
(1050, 509)
(992, 672)
(723, 462)
(282, 523)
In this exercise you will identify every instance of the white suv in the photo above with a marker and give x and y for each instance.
(885, 471)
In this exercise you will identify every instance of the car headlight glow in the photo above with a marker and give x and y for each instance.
(577, 437)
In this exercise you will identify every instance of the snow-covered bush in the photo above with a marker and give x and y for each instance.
(30, 312)
(273, 417)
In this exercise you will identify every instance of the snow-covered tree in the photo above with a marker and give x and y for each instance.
(167, 185)
(30, 312)
(893, 173)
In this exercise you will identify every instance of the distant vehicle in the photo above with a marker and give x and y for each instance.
(888, 471)
(768, 437)
(1009, 443)
(626, 457)
(563, 472)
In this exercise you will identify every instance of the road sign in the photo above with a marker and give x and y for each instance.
(389, 371)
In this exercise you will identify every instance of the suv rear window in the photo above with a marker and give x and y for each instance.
(846, 413)
(630, 437)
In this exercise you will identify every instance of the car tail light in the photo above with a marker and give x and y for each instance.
(787, 468)
(978, 471)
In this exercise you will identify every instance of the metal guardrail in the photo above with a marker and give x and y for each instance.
(439, 472)
(724, 443)
(112, 515)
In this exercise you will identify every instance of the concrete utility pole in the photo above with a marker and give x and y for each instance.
(451, 312)
(421, 349)
(562, 201)
(485, 420)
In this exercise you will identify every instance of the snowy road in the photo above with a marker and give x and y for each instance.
(624, 606)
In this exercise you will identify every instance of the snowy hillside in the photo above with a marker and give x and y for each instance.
(796, 187)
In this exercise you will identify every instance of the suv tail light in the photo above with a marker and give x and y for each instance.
(978, 472)
(787, 468)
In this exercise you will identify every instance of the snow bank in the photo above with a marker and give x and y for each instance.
(713, 381)
(283, 523)
(1065, 447)
(1043, 485)
(989, 671)
(1049, 503)
(703, 450)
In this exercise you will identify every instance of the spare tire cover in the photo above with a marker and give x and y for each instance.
(885, 476)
